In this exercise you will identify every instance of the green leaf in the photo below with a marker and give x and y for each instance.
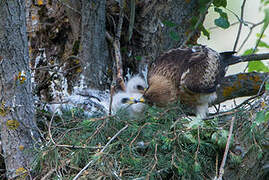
(261, 117)
(197, 167)
(257, 66)
(259, 34)
(263, 44)
(266, 116)
(195, 123)
(205, 31)
(138, 58)
(220, 3)
(222, 21)
(174, 35)
(248, 51)
(267, 87)
(169, 23)
(221, 138)
(190, 137)
(203, 5)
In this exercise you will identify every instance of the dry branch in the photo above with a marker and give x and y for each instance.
(115, 41)
(246, 58)
(102, 150)
(240, 85)
(221, 170)
(255, 57)
(240, 25)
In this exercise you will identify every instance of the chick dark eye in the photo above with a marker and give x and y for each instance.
(124, 100)
(139, 87)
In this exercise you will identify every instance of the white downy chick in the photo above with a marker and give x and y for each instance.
(131, 102)
(136, 85)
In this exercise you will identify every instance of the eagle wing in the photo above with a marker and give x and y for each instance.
(198, 69)
(169, 65)
(204, 71)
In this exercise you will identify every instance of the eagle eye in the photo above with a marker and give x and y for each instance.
(139, 87)
(124, 100)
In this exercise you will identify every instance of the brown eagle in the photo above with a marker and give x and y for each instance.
(190, 75)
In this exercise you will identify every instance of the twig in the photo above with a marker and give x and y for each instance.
(262, 85)
(155, 163)
(116, 45)
(109, 37)
(234, 110)
(118, 33)
(53, 170)
(73, 9)
(249, 33)
(221, 170)
(259, 40)
(200, 20)
(49, 128)
(217, 163)
(232, 24)
(140, 129)
(63, 145)
(48, 174)
(198, 146)
(240, 25)
(102, 150)
(112, 91)
(98, 129)
(77, 147)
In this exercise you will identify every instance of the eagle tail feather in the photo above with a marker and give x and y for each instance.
(229, 58)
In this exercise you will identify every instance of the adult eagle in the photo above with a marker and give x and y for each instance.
(190, 75)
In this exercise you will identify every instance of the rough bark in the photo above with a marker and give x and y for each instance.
(94, 54)
(159, 26)
(241, 85)
(17, 111)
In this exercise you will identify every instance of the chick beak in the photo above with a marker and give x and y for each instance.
(140, 100)
(131, 100)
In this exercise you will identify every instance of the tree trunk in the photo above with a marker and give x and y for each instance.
(17, 111)
(94, 54)
(159, 26)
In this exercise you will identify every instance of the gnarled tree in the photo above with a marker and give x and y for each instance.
(18, 129)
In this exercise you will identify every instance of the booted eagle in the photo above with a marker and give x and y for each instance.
(190, 75)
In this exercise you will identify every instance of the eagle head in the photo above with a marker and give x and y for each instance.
(161, 91)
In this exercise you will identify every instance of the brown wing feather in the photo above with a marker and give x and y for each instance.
(203, 73)
(170, 65)
(199, 65)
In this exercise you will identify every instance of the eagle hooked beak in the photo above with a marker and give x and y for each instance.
(141, 100)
